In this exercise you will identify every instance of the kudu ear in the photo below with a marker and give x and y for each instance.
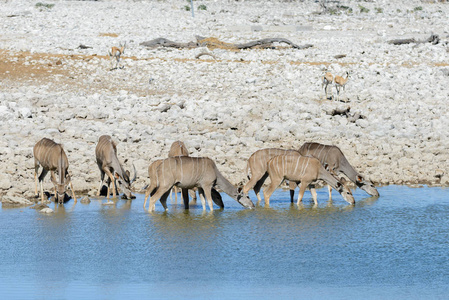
(359, 178)
(239, 189)
(116, 175)
(67, 179)
(343, 180)
(326, 166)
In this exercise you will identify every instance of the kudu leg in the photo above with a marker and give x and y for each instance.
(101, 183)
(36, 171)
(203, 200)
(53, 178)
(275, 182)
(41, 180)
(185, 198)
(73, 192)
(164, 199)
(35, 185)
(208, 193)
(192, 194)
(314, 194)
(111, 177)
(329, 188)
(292, 185)
(175, 189)
(252, 183)
(302, 189)
(150, 190)
(259, 185)
(159, 193)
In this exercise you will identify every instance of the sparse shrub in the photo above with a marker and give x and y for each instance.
(44, 5)
(398, 10)
(346, 8)
(187, 7)
(332, 11)
(202, 7)
(418, 8)
(379, 10)
(363, 9)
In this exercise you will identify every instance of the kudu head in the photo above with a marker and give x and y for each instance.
(345, 191)
(60, 188)
(124, 183)
(366, 185)
(342, 186)
(244, 199)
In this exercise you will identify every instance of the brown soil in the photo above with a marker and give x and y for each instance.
(21, 67)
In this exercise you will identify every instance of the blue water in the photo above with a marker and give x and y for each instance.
(392, 247)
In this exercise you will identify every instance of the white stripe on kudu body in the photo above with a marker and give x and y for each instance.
(198, 172)
(51, 157)
(311, 172)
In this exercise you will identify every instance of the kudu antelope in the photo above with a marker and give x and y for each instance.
(108, 163)
(51, 157)
(305, 170)
(340, 83)
(152, 173)
(178, 148)
(336, 161)
(257, 165)
(116, 53)
(189, 172)
(328, 79)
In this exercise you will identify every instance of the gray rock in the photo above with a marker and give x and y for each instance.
(85, 200)
(15, 201)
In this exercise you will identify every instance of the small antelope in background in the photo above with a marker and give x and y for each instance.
(108, 163)
(51, 157)
(257, 165)
(328, 79)
(305, 170)
(189, 172)
(116, 53)
(340, 82)
(334, 158)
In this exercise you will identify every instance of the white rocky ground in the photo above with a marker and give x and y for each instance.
(225, 108)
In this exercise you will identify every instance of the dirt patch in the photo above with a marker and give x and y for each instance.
(108, 34)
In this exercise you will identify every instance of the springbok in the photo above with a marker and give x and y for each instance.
(340, 82)
(189, 172)
(334, 158)
(152, 173)
(178, 148)
(108, 163)
(257, 165)
(328, 79)
(305, 170)
(116, 53)
(51, 157)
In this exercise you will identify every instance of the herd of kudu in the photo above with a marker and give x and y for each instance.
(310, 164)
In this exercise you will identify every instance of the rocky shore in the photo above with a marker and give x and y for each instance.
(229, 106)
